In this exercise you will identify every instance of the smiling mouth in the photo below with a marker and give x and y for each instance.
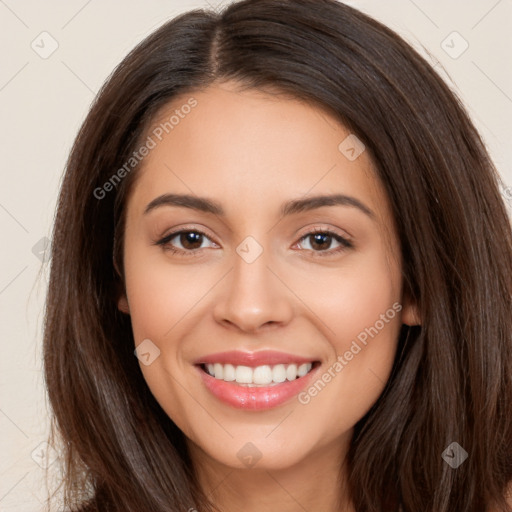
(259, 376)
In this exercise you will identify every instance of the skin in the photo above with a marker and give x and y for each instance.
(251, 151)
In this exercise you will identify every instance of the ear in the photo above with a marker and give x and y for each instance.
(410, 312)
(122, 304)
(122, 300)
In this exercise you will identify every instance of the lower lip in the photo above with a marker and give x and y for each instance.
(255, 398)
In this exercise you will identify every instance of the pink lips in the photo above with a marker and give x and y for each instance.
(254, 398)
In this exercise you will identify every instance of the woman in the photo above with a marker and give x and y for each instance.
(281, 277)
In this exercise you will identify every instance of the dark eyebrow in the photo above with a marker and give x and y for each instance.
(313, 202)
(206, 205)
(186, 201)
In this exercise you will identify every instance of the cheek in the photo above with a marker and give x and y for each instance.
(162, 299)
(360, 310)
(160, 294)
(351, 299)
(362, 298)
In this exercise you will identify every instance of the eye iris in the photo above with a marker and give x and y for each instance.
(319, 239)
(190, 238)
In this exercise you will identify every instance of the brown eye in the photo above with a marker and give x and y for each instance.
(320, 242)
(186, 242)
(190, 239)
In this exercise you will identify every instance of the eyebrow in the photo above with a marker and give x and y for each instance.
(291, 207)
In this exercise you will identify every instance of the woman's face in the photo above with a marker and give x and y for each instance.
(271, 278)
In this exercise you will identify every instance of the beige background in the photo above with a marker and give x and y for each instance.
(44, 100)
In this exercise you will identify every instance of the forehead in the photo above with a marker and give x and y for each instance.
(250, 149)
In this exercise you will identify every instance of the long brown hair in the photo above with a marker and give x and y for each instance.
(452, 377)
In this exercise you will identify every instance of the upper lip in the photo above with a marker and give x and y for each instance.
(253, 359)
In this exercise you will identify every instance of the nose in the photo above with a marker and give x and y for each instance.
(253, 297)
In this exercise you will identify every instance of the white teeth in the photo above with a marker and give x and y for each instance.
(218, 370)
(303, 369)
(229, 373)
(264, 375)
(291, 372)
(243, 374)
(279, 373)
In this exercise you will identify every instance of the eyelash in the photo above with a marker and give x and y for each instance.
(345, 243)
